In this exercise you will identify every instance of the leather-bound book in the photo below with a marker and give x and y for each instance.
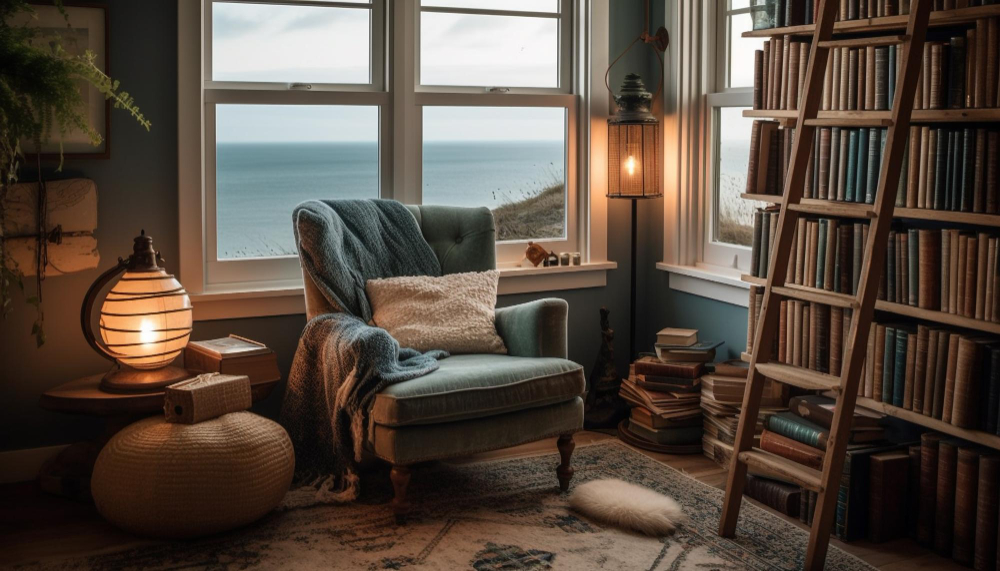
(861, 182)
(888, 365)
(822, 318)
(937, 72)
(971, 259)
(956, 72)
(774, 494)
(874, 164)
(944, 506)
(993, 391)
(857, 258)
(966, 168)
(899, 367)
(851, 174)
(928, 268)
(930, 370)
(758, 79)
(652, 366)
(870, 78)
(879, 364)
(941, 375)
(954, 292)
(966, 494)
(821, 254)
(992, 50)
(963, 260)
(887, 499)
(756, 131)
(982, 262)
(791, 449)
(979, 173)
(803, 65)
(766, 76)
(913, 168)
(912, 270)
(922, 185)
(929, 442)
(909, 369)
(881, 78)
(758, 217)
(783, 331)
(804, 506)
(966, 400)
(836, 339)
(919, 368)
(830, 254)
(987, 504)
(912, 502)
(825, 140)
(948, 404)
(992, 183)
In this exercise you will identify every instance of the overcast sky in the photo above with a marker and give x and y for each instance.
(316, 44)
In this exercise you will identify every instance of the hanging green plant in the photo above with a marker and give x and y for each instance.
(40, 102)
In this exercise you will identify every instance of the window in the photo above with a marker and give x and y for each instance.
(728, 231)
(448, 102)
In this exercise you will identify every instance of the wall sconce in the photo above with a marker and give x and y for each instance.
(145, 321)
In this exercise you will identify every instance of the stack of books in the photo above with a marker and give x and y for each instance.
(664, 391)
(769, 14)
(721, 398)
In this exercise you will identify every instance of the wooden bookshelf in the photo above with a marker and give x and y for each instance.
(972, 435)
(931, 315)
(880, 118)
(889, 23)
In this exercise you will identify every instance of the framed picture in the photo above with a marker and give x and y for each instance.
(88, 31)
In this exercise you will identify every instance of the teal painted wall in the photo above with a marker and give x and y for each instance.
(138, 190)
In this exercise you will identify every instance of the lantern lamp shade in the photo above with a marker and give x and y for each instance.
(634, 159)
(146, 319)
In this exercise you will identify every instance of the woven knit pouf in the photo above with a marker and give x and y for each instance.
(161, 479)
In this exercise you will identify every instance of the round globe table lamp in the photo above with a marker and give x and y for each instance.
(145, 321)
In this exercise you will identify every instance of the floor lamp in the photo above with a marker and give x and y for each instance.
(635, 159)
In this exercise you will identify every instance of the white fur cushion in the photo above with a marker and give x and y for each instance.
(627, 505)
(454, 312)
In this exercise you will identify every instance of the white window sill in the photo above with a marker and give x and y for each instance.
(712, 282)
(290, 300)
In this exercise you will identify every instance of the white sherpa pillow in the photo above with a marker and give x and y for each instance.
(454, 312)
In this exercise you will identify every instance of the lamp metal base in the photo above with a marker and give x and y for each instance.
(129, 380)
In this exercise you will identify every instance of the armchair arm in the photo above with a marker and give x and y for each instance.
(534, 329)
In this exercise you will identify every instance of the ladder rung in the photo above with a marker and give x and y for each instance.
(833, 208)
(813, 295)
(865, 42)
(808, 478)
(799, 377)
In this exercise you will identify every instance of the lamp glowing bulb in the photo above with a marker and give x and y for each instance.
(630, 165)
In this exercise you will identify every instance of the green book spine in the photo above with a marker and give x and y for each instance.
(899, 368)
(955, 170)
(941, 170)
(861, 185)
(968, 169)
(852, 165)
(890, 268)
(892, 76)
(888, 362)
(797, 428)
(821, 253)
(874, 164)
(913, 271)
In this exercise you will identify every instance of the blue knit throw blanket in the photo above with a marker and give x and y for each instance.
(342, 362)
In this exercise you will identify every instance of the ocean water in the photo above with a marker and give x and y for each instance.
(258, 184)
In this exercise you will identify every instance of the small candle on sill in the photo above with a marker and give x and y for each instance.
(576, 258)
(564, 258)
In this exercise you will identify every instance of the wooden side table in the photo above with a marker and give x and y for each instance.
(68, 473)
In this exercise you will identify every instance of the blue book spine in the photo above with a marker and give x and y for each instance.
(899, 378)
(888, 362)
(861, 185)
(852, 165)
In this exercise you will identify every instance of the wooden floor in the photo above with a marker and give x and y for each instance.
(34, 525)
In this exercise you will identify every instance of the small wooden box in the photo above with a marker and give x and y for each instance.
(206, 396)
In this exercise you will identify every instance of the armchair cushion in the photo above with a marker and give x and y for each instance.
(534, 329)
(473, 386)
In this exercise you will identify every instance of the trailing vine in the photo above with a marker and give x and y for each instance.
(40, 100)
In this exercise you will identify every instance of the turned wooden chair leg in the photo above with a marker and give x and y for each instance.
(400, 476)
(564, 470)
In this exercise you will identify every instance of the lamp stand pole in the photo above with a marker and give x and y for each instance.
(631, 336)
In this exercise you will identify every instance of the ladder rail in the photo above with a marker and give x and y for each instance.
(875, 253)
(778, 264)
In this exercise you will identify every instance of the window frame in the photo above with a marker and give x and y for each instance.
(396, 91)
(720, 96)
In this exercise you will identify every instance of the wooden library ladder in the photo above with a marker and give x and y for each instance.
(824, 483)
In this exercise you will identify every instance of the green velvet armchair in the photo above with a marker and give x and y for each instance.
(477, 403)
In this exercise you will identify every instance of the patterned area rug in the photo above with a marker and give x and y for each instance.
(504, 514)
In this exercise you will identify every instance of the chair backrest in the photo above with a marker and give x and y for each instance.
(463, 239)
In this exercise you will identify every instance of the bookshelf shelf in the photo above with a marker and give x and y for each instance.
(888, 23)
(977, 436)
(931, 315)
(856, 210)
(879, 118)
